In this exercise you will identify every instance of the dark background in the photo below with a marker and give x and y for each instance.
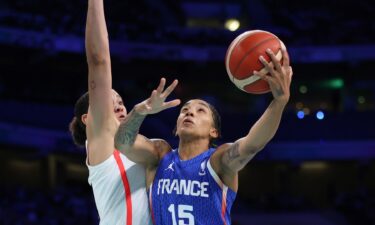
(315, 171)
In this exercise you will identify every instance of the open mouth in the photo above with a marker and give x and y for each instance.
(188, 121)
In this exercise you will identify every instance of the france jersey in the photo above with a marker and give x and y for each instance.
(189, 192)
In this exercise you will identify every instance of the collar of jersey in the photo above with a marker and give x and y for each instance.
(197, 158)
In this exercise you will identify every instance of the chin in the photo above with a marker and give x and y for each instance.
(186, 132)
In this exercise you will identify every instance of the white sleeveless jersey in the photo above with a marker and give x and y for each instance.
(119, 187)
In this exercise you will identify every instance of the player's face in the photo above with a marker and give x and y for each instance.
(118, 106)
(195, 120)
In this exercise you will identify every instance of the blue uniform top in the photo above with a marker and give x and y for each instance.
(189, 192)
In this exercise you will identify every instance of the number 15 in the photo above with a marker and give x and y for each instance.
(184, 212)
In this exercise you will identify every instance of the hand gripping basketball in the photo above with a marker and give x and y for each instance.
(242, 59)
(280, 74)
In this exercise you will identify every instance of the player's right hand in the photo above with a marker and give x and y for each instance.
(280, 75)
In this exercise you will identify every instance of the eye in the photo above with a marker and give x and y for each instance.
(184, 109)
(201, 110)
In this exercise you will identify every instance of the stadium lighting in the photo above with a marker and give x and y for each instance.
(232, 24)
(300, 114)
(320, 115)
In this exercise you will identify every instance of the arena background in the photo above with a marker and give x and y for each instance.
(319, 168)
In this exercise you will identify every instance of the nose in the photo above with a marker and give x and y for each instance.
(119, 109)
(189, 113)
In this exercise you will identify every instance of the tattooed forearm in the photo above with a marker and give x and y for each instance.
(128, 130)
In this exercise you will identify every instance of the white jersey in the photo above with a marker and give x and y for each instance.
(119, 187)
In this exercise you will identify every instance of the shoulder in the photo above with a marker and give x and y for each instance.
(221, 149)
(217, 157)
(161, 146)
(218, 153)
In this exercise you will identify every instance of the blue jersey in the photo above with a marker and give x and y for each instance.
(189, 192)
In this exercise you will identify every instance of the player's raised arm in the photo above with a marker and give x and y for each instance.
(98, 59)
(233, 157)
(137, 147)
(100, 113)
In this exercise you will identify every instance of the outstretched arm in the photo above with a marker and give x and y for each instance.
(100, 114)
(137, 147)
(229, 159)
(99, 65)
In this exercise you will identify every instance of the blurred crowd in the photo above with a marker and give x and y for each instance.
(63, 206)
(296, 22)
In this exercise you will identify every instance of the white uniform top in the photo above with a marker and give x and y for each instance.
(110, 181)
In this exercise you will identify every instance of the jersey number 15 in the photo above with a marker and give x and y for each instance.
(184, 213)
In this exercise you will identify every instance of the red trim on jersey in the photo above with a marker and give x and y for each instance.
(125, 182)
(224, 205)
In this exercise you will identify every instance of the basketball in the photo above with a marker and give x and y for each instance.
(242, 58)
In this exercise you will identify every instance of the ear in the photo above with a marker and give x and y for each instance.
(84, 118)
(214, 133)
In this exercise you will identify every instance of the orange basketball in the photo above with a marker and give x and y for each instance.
(242, 59)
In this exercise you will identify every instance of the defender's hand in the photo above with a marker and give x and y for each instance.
(156, 102)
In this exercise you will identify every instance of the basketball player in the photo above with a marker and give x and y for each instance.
(118, 183)
(196, 183)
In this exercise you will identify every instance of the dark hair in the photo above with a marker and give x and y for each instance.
(77, 127)
(217, 125)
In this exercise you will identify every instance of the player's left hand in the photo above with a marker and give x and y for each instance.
(280, 75)
(156, 102)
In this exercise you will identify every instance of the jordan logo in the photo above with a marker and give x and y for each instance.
(170, 167)
(202, 172)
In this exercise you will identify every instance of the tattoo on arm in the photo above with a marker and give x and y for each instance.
(160, 147)
(279, 92)
(233, 152)
(92, 85)
(128, 130)
(233, 156)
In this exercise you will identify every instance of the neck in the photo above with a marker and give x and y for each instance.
(188, 149)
